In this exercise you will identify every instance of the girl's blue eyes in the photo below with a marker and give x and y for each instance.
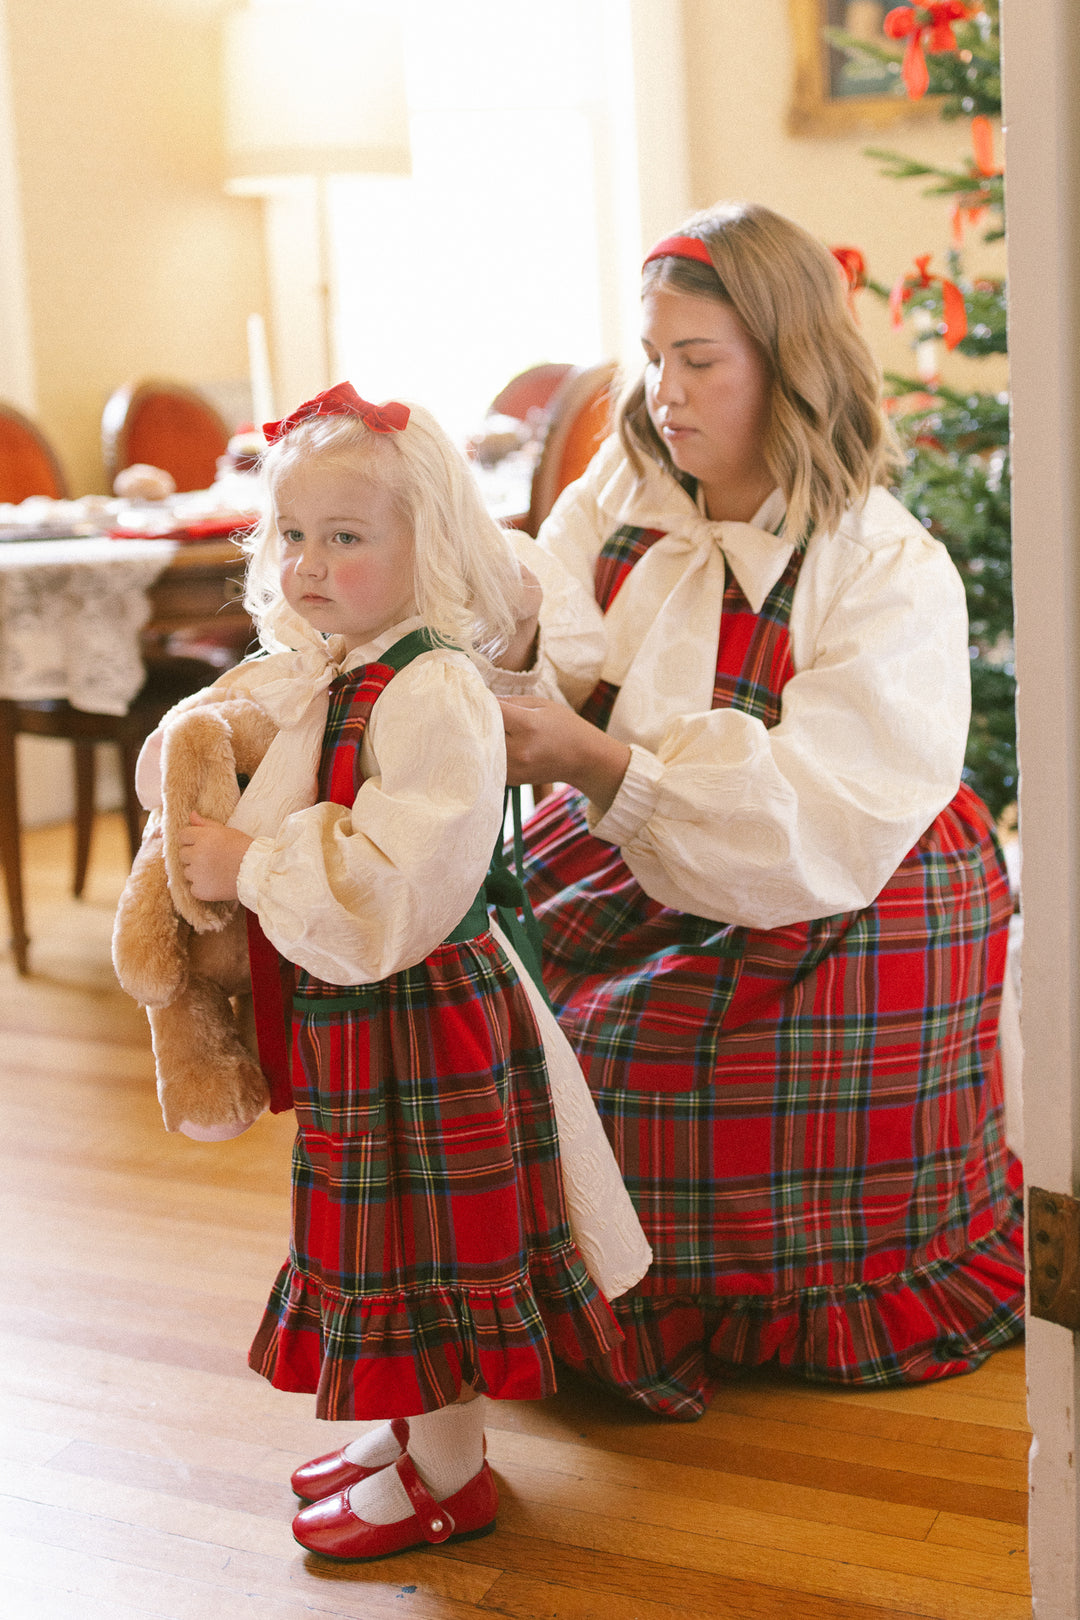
(295, 537)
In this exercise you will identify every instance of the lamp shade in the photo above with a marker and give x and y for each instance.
(315, 88)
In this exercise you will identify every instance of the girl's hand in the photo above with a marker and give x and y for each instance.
(547, 742)
(210, 854)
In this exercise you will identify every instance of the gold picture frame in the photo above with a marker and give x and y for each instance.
(832, 95)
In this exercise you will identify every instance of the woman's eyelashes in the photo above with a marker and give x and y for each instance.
(653, 363)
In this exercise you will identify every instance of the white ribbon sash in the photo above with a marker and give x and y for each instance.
(664, 624)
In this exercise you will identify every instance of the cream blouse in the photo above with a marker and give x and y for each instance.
(717, 815)
(356, 892)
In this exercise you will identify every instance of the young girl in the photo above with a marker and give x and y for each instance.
(431, 1261)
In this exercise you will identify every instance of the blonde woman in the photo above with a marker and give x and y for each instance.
(774, 918)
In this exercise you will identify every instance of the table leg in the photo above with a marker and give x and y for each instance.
(85, 761)
(10, 836)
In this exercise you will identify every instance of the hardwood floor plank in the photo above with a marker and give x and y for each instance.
(520, 1598)
(980, 1535)
(73, 1585)
(259, 1561)
(786, 1454)
(685, 1517)
(599, 1557)
(600, 1467)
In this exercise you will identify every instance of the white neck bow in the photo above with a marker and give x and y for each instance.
(664, 625)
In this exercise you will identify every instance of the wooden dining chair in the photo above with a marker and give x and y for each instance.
(165, 424)
(530, 390)
(28, 463)
(579, 420)
(165, 685)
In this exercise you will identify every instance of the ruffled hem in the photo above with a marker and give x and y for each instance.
(934, 1323)
(399, 1354)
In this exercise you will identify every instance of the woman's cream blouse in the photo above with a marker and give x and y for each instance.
(717, 815)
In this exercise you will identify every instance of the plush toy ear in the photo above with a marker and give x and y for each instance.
(198, 772)
(202, 751)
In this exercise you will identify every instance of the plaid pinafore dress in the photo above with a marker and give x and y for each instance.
(430, 1243)
(809, 1120)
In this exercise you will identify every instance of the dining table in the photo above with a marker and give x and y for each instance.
(82, 617)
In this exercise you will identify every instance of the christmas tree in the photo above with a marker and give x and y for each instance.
(957, 442)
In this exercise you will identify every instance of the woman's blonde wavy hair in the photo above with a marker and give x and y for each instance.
(827, 442)
(466, 581)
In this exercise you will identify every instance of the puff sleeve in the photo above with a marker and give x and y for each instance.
(354, 893)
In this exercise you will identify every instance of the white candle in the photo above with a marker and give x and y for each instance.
(262, 392)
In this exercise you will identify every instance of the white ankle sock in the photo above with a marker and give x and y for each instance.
(447, 1447)
(374, 1449)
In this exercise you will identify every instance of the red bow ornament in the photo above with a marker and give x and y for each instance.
(931, 22)
(342, 400)
(971, 207)
(853, 269)
(953, 309)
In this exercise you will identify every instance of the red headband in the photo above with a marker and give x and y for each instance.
(343, 400)
(681, 247)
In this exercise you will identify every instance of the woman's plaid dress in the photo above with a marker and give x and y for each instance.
(430, 1245)
(809, 1120)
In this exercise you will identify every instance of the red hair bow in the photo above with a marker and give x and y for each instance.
(934, 22)
(342, 400)
(952, 300)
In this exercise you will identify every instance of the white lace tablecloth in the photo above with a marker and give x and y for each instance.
(70, 616)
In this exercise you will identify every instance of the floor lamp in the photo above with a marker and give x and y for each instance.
(314, 88)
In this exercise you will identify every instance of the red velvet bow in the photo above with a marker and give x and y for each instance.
(853, 268)
(342, 400)
(952, 300)
(934, 22)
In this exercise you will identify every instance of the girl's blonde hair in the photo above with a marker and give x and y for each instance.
(466, 580)
(827, 442)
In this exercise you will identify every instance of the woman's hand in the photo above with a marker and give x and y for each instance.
(547, 742)
(210, 854)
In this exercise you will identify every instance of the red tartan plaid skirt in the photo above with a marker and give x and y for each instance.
(430, 1244)
(809, 1120)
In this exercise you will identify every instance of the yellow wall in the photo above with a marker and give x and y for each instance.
(136, 263)
(740, 76)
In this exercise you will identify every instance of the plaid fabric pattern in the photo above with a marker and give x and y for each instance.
(809, 1120)
(754, 664)
(430, 1243)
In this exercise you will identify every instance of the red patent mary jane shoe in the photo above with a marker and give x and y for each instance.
(331, 1529)
(326, 1476)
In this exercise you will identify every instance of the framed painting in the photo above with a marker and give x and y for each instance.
(835, 93)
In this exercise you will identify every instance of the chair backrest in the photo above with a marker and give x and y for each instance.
(28, 464)
(165, 424)
(529, 391)
(580, 420)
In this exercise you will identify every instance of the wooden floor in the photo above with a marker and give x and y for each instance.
(145, 1470)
